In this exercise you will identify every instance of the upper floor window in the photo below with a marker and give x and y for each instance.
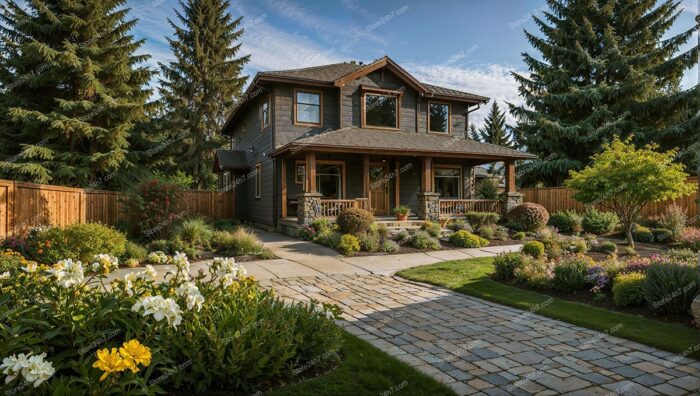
(308, 108)
(381, 110)
(439, 119)
(264, 115)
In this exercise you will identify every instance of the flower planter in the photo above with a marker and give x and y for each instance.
(402, 217)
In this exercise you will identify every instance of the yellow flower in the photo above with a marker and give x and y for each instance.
(109, 362)
(134, 354)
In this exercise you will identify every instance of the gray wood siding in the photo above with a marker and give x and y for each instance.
(247, 206)
(285, 129)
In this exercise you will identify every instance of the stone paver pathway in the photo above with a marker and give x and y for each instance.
(479, 347)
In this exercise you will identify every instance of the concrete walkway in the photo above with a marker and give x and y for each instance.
(482, 348)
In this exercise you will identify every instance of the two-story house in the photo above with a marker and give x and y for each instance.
(310, 142)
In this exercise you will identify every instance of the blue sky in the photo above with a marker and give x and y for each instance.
(471, 45)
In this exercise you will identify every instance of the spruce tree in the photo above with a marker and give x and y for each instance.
(72, 87)
(607, 70)
(495, 130)
(201, 86)
(473, 132)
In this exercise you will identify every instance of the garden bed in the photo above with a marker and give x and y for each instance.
(406, 248)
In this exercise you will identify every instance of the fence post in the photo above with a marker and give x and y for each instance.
(11, 209)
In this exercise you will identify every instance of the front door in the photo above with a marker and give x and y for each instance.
(379, 188)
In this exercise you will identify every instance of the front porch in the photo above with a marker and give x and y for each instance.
(322, 184)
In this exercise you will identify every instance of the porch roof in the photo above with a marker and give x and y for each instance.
(367, 140)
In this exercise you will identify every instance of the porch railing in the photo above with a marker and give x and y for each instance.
(333, 207)
(455, 207)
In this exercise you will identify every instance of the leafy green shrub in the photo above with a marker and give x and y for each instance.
(153, 205)
(597, 222)
(682, 254)
(478, 219)
(224, 225)
(487, 231)
(432, 228)
(321, 225)
(135, 251)
(535, 273)
(642, 234)
(380, 230)
(690, 239)
(533, 249)
(628, 289)
(241, 242)
(422, 240)
(177, 244)
(671, 287)
(402, 236)
(608, 247)
(569, 222)
(354, 221)
(80, 241)
(401, 210)
(160, 245)
(674, 219)
(570, 273)
(243, 327)
(329, 238)
(662, 235)
(389, 246)
(349, 244)
(629, 250)
(369, 242)
(195, 232)
(466, 239)
(488, 189)
(577, 246)
(519, 236)
(12, 261)
(505, 265)
(529, 216)
(500, 233)
(459, 225)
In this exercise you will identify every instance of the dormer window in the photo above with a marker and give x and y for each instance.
(380, 109)
(308, 108)
(439, 118)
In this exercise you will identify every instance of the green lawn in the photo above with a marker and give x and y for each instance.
(365, 370)
(472, 277)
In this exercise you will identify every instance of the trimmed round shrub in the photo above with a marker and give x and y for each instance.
(662, 235)
(477, 219)
(533, 249)
(422, 240)
(529, 216)
(390, 246)
(570, 273)
(80, 241)
(578, 246)
(349, 244)
(466, 239)
(505, 265)
(354, 221)
(568, 222)
(628, 289)
(608, 247)
(519, 236)
(642, 234)
(597, 222)
(432, 228)
(671, 287)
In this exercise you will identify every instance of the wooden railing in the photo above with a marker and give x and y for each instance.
(454, 207)
(333, 207)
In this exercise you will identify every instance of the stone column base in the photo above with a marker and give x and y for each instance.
(429, 206)
(309, 207)
(509, 201)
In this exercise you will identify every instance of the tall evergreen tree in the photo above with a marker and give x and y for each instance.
(473, 132)
(606, 70)
(202, 84)
(72, 87)
(495, 130)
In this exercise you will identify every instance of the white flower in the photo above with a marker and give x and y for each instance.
(192, 295)
(105, 263)
(160, 308)
(68, 273)
(34, 369)
(31, 267)
(180, 260)
(149, 274)
(38, 370)
(5, 274)
(228, 270)
(157, 257)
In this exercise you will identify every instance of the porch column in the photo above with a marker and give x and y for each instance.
(511, 198)
(365, 176)
(397, 184)
(309, 202)
(284, 187)
(428, 201)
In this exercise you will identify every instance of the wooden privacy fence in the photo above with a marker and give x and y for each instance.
(560, 198)
(24, 205)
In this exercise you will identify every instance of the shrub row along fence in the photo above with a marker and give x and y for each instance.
(560, 198)
(25, 205)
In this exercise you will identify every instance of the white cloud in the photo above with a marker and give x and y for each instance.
(493, 81)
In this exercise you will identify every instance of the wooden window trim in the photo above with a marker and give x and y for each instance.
(296, 165)
(264, 127)
(449, 166)
(296, 106)
(342, 170)
(449, 117)
(258, 181)
(379, 92)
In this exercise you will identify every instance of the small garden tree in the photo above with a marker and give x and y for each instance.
(623, 179)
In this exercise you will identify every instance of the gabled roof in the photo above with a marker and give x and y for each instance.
(230, 160)
(325, 73)
(353, 139)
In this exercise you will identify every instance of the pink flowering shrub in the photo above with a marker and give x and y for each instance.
(690, 238)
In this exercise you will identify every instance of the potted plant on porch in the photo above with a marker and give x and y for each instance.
(401, 212)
